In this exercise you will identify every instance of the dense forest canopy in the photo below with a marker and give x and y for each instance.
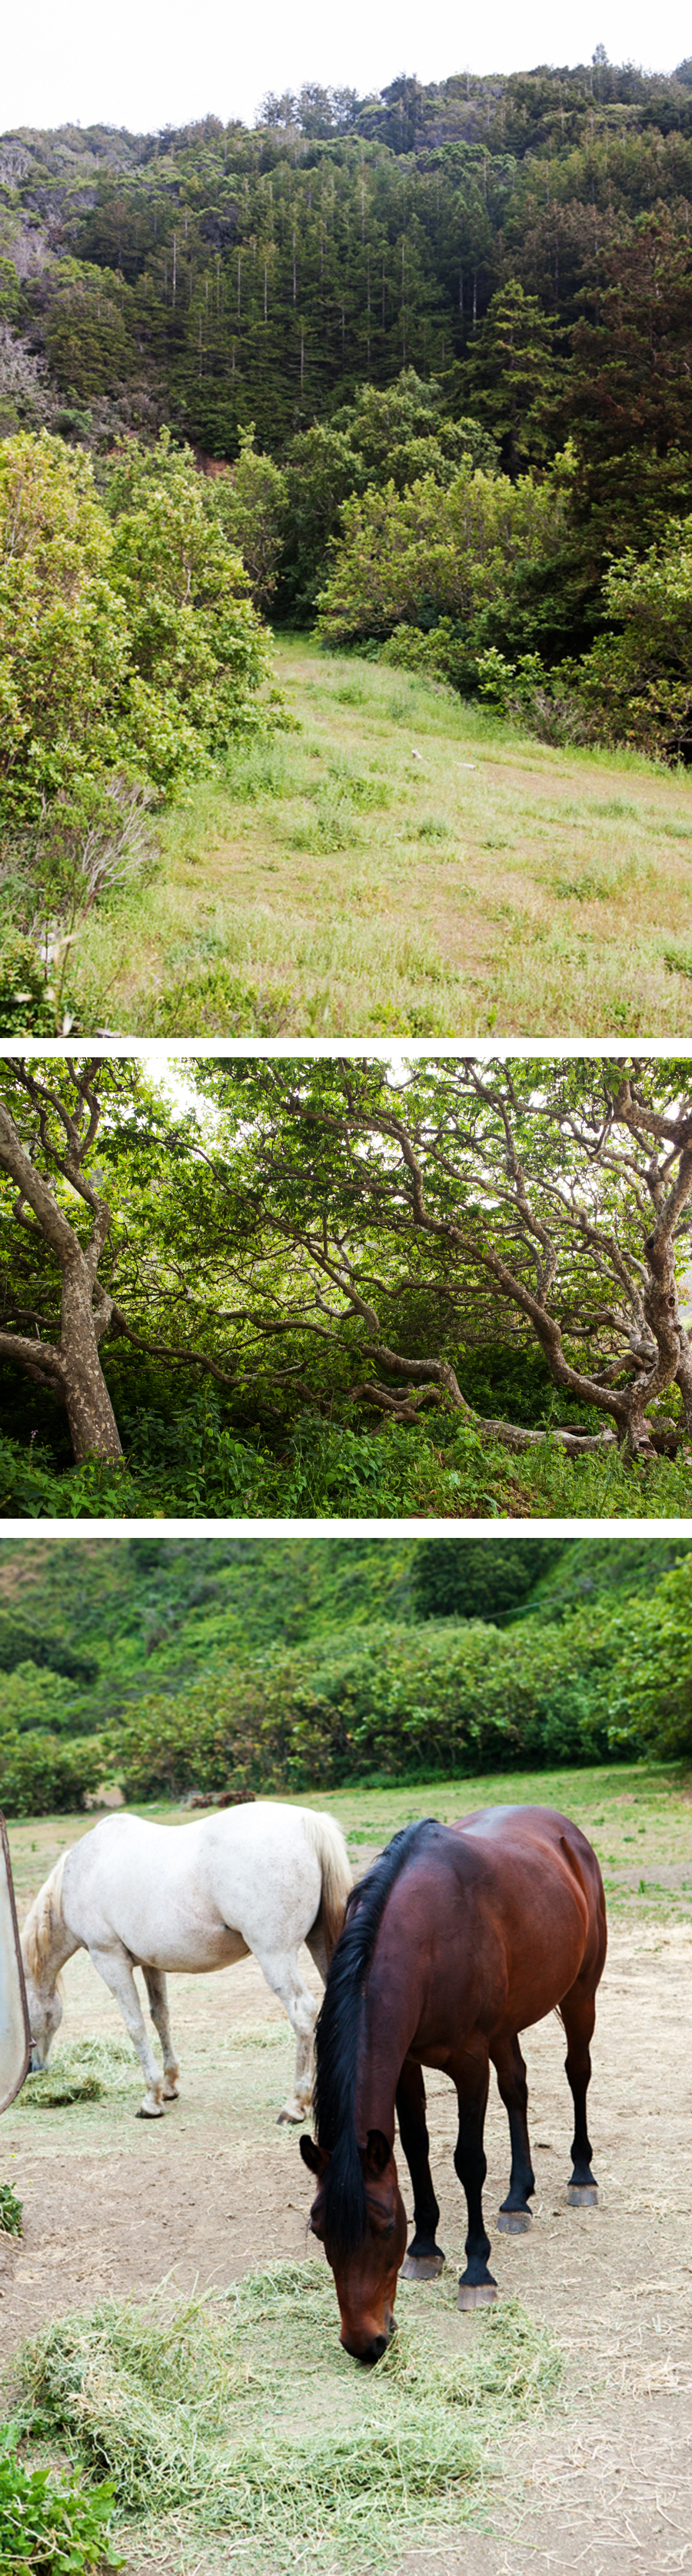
(215, 275)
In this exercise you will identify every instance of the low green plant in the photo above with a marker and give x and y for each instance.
(10, 2211)
(50, 2526)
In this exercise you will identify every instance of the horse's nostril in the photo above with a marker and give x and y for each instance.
(376, 2348)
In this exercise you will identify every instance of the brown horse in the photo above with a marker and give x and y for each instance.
(458, 1937)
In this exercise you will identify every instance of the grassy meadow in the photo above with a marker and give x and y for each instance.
(404, 863)
(638, 1816)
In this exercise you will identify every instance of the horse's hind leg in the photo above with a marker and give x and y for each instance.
(157, 1991)
(115, 1968)
(280, 1967)
(578, 2010)
(424, 2257)
(515, 2214)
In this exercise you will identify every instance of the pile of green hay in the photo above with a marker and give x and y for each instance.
(240, 2414)
(82, 2070)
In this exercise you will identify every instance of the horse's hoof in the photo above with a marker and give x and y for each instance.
(157, 2112)
(292, 2118)
(422, 2267)
(582, 2195)
(514, 2222)
(476, 2294)
(171, 2092)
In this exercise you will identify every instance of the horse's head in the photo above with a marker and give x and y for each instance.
(44, 2004)
(45, 2016)
(365, 2275)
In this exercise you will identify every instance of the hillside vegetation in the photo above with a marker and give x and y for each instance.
(415, 372)
(289, 1665)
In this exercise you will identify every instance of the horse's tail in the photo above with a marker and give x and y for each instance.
(337, 1877)
(43, 1921)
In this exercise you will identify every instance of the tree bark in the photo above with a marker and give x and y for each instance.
(72, 1367)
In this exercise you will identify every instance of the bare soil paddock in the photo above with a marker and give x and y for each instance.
(112, 2205)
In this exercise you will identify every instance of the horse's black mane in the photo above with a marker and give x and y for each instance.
(337, 2034)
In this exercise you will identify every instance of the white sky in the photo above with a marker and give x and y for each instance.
(147, 66)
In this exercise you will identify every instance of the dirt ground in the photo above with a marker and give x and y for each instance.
(113, 2205)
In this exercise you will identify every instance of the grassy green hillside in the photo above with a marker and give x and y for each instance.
(86, 1630)
(431, 869)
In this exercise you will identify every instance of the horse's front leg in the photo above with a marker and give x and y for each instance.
(471, 2075)
(280, 1967)
(157, 1991)
(115, 1968)
(424, 2257)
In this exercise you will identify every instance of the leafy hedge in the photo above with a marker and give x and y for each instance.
(393, 1700)
(408, 1701)
(43, 1775)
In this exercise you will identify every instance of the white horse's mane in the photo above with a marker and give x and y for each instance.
(42, 1922)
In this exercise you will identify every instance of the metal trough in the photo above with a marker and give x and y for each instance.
(15, 2035)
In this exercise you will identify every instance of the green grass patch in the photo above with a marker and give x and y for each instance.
(239, 2413)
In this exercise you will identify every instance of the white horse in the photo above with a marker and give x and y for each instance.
(188, 1898)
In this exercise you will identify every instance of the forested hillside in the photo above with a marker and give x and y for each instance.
(114, 1618)
(449, 329)
(289, 1663)
(214, 276)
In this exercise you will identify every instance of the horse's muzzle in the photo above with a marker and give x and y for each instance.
(371, 2352)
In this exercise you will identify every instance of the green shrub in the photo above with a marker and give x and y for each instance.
(10, 2211)
(412, 558)
(650, 1696)
(398, 1701)
(50, 2526)
(42, 1775)
(127, 637)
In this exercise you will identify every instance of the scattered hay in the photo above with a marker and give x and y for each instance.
(83, 2070)
(241, 2413)
(257, 2034)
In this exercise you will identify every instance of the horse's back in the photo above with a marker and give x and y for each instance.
(508, 1834)
(506, 1906)
(197, 1895)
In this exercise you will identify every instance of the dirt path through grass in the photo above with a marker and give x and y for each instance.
(113, 2205)
(406, 864)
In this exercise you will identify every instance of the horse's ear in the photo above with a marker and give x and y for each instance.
(314, 2157)
(377, 2153)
